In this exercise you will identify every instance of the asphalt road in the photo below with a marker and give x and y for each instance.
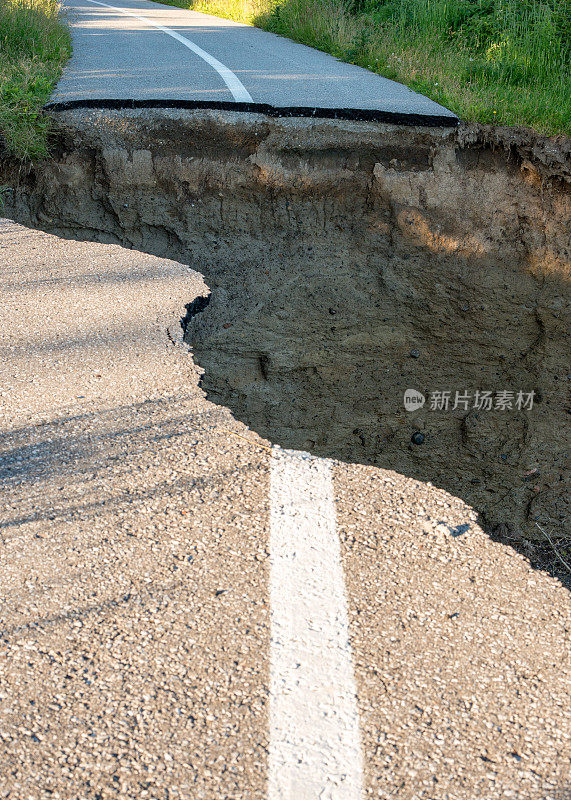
(190, 613)
(141, 50)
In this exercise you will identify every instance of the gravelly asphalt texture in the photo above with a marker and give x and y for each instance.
(134, 607)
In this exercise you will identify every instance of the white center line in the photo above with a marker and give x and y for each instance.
(234, 84)
(315, 747)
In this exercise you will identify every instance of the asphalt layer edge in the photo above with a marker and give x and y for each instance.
(357, 114)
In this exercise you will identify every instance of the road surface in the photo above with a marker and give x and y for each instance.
(187, 612)
(139, 50)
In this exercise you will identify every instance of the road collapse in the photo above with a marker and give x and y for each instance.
(351, 262)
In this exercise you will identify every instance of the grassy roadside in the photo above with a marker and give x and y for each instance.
(490, 61)
(34, 46)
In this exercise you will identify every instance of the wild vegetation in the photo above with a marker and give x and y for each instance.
(34, 46)
(491, 61)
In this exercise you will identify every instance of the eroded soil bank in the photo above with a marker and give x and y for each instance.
(349, 262)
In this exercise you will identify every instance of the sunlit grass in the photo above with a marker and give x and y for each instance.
(490, 61)
(34, 45)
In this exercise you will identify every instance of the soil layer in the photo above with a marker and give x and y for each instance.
(349, 262)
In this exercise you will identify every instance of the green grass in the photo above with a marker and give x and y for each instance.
(34, 46)
(490, 61)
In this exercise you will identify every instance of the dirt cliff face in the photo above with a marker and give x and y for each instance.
(350, 262)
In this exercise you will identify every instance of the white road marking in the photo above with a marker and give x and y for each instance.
(234, 84)
(315, 748)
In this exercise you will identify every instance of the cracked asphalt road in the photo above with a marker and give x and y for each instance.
(135, 612)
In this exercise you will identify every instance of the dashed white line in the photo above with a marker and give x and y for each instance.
(234, 84)
(315, 748)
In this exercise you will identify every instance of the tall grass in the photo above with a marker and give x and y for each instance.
(518, 41)
(502, 61)
(34, 45)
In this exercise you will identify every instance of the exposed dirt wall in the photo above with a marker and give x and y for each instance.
(348, 262)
